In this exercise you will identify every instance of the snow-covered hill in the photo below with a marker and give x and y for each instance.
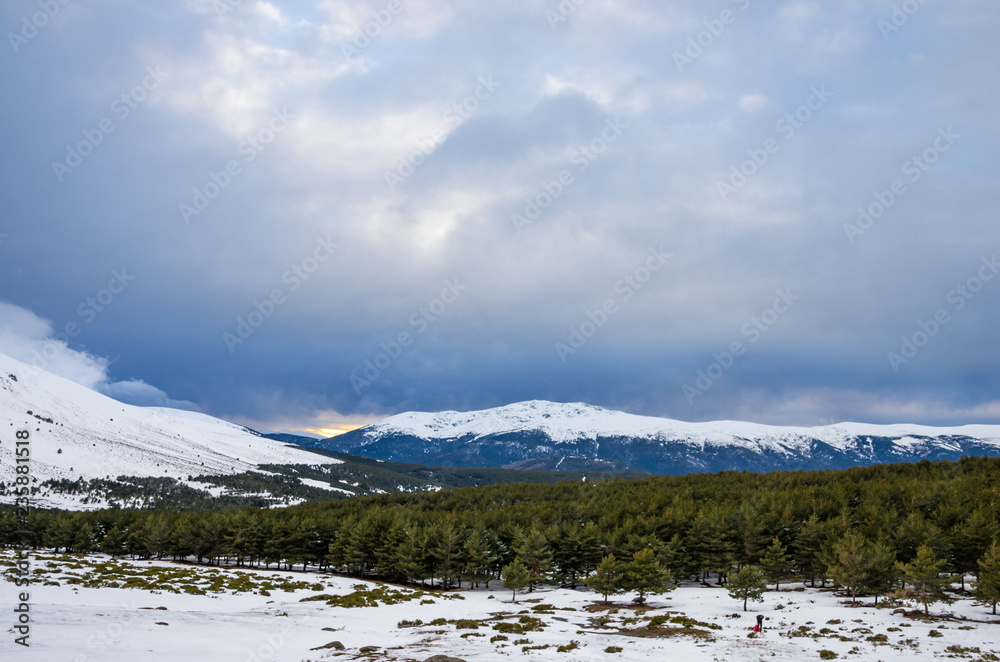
(77, 432)
(523, 431)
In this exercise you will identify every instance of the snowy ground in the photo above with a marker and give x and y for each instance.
(232, 620)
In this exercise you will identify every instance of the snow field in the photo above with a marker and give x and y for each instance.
(239, 623)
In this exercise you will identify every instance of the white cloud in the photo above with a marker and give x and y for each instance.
(754, 101)
(31, 339)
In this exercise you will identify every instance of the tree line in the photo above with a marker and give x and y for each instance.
(864, 529)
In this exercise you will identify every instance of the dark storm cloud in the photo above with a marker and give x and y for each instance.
(253, 138)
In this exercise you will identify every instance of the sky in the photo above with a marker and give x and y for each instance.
(312, 215)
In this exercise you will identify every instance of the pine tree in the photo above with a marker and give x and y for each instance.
(608, 579)
(645, 575)
(567, 553)
(675, 558)
(916, 530)
(8, 529)
(987, 587)
(448, 552)
(591, 548)
(114, 543)
(515, 577)
(85, 540)
(807, 547)
(158, 536)
(533, 551)
(924, 573)
(477, 558)
(389, 554)
(709, 542)
(348, 550)
(411, 554)
(61, 532)
(747, 584)
(776, 563)
(883, 570)
(851, 564)
(971, 539)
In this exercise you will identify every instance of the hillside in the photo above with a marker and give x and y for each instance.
(89, 451)
(580, 437)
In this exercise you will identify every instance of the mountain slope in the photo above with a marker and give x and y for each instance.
(89, 451)
(77, 433)
(549, 435)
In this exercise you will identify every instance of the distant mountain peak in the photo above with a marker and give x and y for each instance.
(533, 429)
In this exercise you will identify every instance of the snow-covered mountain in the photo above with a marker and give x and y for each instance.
(78, 433)
(539, 434)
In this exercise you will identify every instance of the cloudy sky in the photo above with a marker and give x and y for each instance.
(313, 214)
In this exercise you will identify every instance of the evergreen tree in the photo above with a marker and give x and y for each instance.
(708, 539)
(158, 536)
(591, 548)
(389, 561)
(61, 532)
(515, 577)
(747, 584)
(85, 540)
(675, 557)
(916, 530)
(348, 550)
(807, 546)
(533, 551)
(883, 571)
(608, 578)
(776, 563)
(645, 575)
(447, 544)
(567, 553)
(753, 537)
(924, 573)
(113, 543)
(411, 562)
(971, 539)
(987, 587)
(476, 558)
(855, 563)
(182, 538)
(8, 529)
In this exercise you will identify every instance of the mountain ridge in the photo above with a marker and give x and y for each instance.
(527, 432)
